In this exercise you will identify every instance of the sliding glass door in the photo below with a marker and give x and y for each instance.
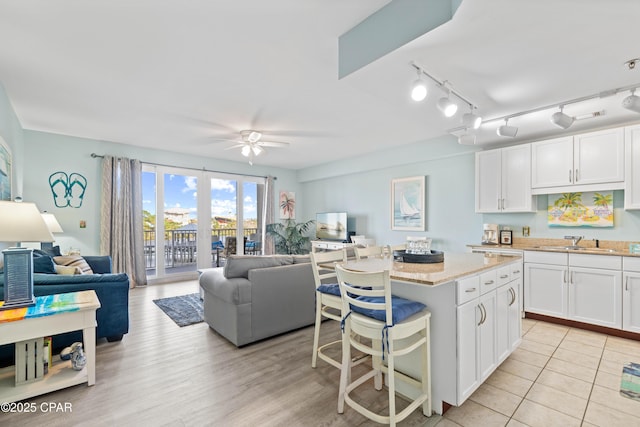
(195, 219)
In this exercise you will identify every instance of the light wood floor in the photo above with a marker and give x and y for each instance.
(164, 375)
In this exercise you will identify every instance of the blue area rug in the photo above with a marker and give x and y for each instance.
(184, 309)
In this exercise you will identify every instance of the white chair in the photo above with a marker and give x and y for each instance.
(355, 239)
(367, 312)
(369, 251)
(328, 302)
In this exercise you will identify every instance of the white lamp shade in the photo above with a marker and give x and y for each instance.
(22, 222)
(52, 222)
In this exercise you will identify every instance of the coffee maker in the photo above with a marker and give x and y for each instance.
(490, 234)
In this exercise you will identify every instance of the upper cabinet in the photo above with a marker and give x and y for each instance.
(632, 168)
(590, 161)
(503, 180)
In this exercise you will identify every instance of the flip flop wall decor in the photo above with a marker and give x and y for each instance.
(67, 190)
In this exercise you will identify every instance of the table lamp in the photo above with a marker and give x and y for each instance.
(54, 227)
(20, 222)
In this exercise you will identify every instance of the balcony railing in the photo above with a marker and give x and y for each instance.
(180, 246)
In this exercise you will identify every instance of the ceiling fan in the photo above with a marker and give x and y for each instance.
(251, 144)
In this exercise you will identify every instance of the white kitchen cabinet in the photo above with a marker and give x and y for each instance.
(589, 161)
(631, 294)
(595, 296)
(487, 359)
(580, 287)
(508, 319)
(632, 167)
(545, 289)
(503, 180)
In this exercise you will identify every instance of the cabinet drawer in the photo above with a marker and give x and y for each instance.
(468, 289)
(595, 261)
(516, 270)
(504, 275)
(488, 281)
(631, 263)
(546, 257)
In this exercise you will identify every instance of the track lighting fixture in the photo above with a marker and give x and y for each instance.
(632, 102)
(419, 88)
(506, 130)
(471, 120)
(467, 139)
(446, 105)
(562, 120)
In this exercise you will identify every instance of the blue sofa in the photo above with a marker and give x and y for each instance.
(112, 291)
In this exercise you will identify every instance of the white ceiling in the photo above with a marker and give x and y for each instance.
(175, 75)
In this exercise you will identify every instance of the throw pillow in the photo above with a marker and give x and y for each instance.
(74, 261)
(63, 269)
(43, 264)
(53, 251)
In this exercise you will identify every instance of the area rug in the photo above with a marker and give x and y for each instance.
(184, 309)
(630, 384)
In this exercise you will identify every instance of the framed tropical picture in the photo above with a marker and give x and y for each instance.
(586, 209)
(287, 204)
(5, 170)
(408, 203)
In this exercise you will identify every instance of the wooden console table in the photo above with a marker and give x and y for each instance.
(52, 315)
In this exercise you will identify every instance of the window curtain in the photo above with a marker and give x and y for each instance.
(121, 234)
(268, 216)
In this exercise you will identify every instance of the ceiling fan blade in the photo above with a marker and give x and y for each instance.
(272, 143)
(235, 146)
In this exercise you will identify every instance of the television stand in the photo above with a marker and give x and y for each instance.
(328, 245)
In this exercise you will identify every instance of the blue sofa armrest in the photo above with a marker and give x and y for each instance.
(100, 264)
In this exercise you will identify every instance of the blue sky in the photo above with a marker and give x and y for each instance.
(181, 191)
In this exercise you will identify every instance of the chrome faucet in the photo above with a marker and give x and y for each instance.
(574, 239)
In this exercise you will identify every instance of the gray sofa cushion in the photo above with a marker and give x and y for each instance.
(239, 265)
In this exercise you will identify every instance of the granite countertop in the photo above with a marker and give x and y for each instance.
(606, 247)
(455, 265)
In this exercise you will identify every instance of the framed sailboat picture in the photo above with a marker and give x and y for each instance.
(408, 203)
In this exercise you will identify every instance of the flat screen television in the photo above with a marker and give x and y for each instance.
(331, 226)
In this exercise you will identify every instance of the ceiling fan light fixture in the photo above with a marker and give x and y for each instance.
(246, 150)
(507, 131)
(561, 119)
(254, 136)
(632, 102)
(257, 150)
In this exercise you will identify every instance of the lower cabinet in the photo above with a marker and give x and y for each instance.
(489, 329)
(595, 296)
(546, 289)
(631, 294)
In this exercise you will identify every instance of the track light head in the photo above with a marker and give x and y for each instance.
(447, 106)
(506, 130)
(419, 88)
(471, 120)
(632, 102)
(561, 119)
(467, 139)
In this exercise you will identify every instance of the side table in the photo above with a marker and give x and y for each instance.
(52, 315)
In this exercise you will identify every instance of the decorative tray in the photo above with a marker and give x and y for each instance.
(432, 258)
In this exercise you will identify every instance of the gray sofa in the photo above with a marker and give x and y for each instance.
(256, 297)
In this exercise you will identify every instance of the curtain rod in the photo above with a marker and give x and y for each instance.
(100, 156)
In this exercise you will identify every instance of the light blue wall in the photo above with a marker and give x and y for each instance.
(362, 187)
(49, 153)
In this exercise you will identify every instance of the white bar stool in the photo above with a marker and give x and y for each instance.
(395, 326)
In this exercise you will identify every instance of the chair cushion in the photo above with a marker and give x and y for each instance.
(401, 308)
(329, 288)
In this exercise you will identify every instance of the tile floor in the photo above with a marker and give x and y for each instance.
(559, 376)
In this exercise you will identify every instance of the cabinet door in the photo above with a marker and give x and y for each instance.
(487, 336)
(545, 289)
(515, 317)
(632, 168)
(488, 174)
(503, 300)
(599, 157)
(631, 302)
(516, 179)
(595, 296)
(469, 316)
(552, 163)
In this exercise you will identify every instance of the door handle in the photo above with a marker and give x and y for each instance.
(504, 276)
(513, 296)
(577, 175)
(481, 315)
(470, 290)
(503, 204)
(626, 283)
(570, 176)
(565, 276)
(490, 282)
(484, 314)
(516, 272)
(498, 203)
(572, 277)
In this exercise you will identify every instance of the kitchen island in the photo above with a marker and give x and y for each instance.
(475, 317)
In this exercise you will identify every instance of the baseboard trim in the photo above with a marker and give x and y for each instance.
(581, 325)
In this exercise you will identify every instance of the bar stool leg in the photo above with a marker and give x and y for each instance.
(316, 331)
